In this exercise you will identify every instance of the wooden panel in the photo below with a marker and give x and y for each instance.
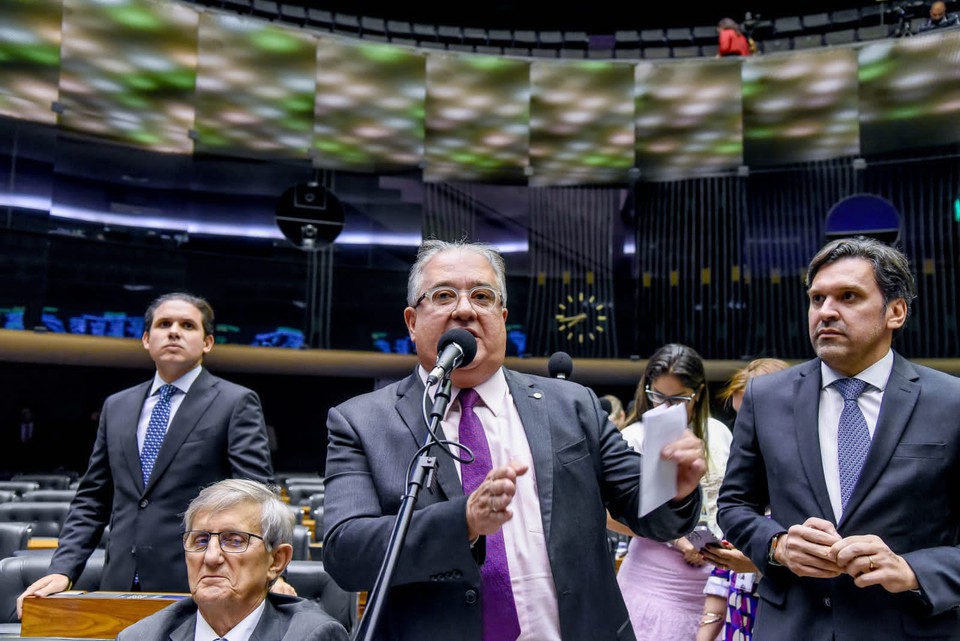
(42, 543)
(92, 615)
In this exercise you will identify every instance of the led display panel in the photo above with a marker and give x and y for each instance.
(255, 88)
(477, 119)
(800, 108)
(29, 59)
(581, 122)
(369, 106)
(128, 71)
(910, 92)
(689, 119)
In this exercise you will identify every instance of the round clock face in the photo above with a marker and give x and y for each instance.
(581, 318)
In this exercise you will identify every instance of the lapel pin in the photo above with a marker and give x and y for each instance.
(537, 395)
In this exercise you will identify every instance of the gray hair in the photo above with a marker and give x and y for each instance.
(276, 520)
(206, 311)
(430, 248)
(891, 268)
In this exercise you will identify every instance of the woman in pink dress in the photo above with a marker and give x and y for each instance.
(662, 583)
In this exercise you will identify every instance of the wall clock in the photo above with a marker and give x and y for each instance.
(581, 318)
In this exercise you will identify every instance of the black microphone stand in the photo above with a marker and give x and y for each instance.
(423, 476)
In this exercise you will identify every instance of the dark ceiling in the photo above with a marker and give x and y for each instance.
(592, 16)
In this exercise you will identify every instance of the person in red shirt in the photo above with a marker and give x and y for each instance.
(732, 40)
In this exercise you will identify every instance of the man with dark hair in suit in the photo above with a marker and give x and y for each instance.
(513, 545)
(237, 540)
(857, 454)
(157, 445)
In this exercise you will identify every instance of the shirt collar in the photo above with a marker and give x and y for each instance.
(243, 631)
(876, 375)
(493, 391)
(183, 383)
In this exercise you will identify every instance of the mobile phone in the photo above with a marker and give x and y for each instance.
(702, 537)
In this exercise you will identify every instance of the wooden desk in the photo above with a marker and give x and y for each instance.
(89, 615)
(42, 543)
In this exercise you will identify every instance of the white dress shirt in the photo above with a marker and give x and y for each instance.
(183, 384)
(831, 405)
(531, 577)
(240, 632)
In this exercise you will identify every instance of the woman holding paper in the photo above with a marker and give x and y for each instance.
(662, 583)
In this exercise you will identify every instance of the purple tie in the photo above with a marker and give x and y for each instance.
(500, 621)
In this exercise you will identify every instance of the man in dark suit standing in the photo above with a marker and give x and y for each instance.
(857, 454)
(157, 445)
(514, 544)
(237, 541)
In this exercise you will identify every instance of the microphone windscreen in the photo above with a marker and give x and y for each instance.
(606, 405)
(560, 364)
(463, 338)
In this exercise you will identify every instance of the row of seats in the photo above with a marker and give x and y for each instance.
(46, 520)
(305, 494)
(873, 21)
(26, 482)
(43, 496)
(47, 508)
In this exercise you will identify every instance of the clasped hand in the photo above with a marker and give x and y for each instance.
(816, 549)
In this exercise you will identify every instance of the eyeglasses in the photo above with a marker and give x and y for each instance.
(482, 298)
(659, 399)
(230, 541)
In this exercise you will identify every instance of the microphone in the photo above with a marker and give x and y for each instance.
(560, 365)
(456, 348)
(606, 405)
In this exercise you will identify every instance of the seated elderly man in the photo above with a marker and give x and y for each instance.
(237, 542)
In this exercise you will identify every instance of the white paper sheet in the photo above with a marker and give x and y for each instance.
(658, 481)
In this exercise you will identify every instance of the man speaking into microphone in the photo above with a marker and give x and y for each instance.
(512, 545)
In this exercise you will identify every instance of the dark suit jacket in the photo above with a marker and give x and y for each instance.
(908, 495)
(285, 618)
(217, 433)
(582, 465)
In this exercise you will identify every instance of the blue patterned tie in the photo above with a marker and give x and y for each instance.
(500, 622)
(853, 437)
(156, 429)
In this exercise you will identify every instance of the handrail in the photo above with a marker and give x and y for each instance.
(98, 351)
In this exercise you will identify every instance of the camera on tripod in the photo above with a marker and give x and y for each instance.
(903, 28)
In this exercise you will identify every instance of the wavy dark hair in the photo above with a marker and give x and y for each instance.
(686, 364)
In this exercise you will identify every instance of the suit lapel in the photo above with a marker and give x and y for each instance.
(531, 403)
(187, 629)
(410, 407)
(269, 626)
(806, 413)
(899, 399)
(195, 404)
(128, 410)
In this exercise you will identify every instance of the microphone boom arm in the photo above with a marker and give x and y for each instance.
(422, 476)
